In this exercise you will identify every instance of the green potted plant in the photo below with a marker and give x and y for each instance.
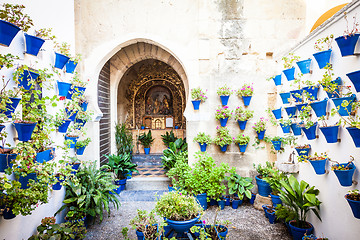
(197, 96)
(203, 139)
(7, 153)
(242, 116)
(223, 138)
(167, 138)
(260, 127)
(146, 140)
(242, 141)
(274, 180)
(301, 198)
(123, 139)
(143, 223)
(62, 54)
(289, 65)
(176, 151)
(323, 46)
(81, 145)
(353, 198)
(344, 171)
(239, 187)
(62, 121)
(224, 92)
(223, 113)
(246, 92)
(7, 60)
(264, 188)
(349, 39)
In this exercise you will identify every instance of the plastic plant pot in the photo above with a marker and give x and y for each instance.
(319, 166)
(289, 73)
(322, 58)
(242, 124)
(203, 147)
(319, 107)
(224, 100)
(347, 44)
(33, 44)
(304, 66)
(330, 133)
(196, 104)
(8, 32)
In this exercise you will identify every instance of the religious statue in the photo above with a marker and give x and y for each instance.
(156, 107)
(166, 107)
(148, 107)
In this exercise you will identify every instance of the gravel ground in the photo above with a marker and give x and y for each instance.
(247, 223)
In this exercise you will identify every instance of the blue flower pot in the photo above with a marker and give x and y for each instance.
(140, 235)
(330, 133)
(58, 185)
(285, 129)
(291, 111)
(223, 148)
(261, 134)
(201, 199)
(223, 121)
(33, 44)
(242, 124)
(277, 145)
(142, 127)
(64, 126)
(271, 216)
(298, 233)
(227, 201)
(25, 180)
(70, 66)
(60, 60)
(203, 147)
(242, 147)
(252, 199)
(2, 127)
(24, 130)
(304, 66)
(147, 151)
(296, 129)
(8, 214)
(289, 73)
(75, 167)
(116, 190)
(121, 183)
(355, 207)
(277, 113)
(80, 151)
(246, 100)
(224, 99)
(301, 106)
(319, 107)
(303, 151)
(84, 106)
(323, 58)
(8, 32)
(128, 175)
(265, 207)
(347, 45)
(310, 133)
(355, 135)
(25, 77)
(345, 176)
(355, 79)
(264, 188)
(285, 97)
(236, 203)
(73, 139)
(72, 114)
(11, 106)
(319, 166)
(182, 226)
(295, 96)
(222, 235)
(277, 80)
(63, 88)
(5, 161)
(79, 123)
(79, 90)
(312, 91)
(212, 202)
(275, 200)
(196, 104)
(336, 93)
(221, 204)
(342, 110)
(44, 156)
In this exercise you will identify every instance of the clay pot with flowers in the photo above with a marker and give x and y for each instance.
(223, 138)
(224, 92)
(198, 96)
(223, 113)
(246, 92)
(260, 128)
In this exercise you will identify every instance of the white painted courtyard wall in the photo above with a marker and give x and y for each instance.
(337, 218)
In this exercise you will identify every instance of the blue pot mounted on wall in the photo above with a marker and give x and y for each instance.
(344, 111)
(246, 100)
(345, 176)
(242, 124)
(5, 161)
(296, 129)
(312, 91)
(310, 133)
(335, 93)
(73, 141)
(60, 60)
(33, 44)
(347, 44)
(355, 135)
(296, 95)
(289, 73)
(261, 134)
(277, 80)
(84, 106)
(301, 106)
(57, 186)
(196, 104)
(203, 147)
(24, 130)
(303, 151)
(223, 121)
(72, 114)
(44, 156)
(277, 145)
(80, 151)
(8, 32)
(291, 111)
(319, 166)
(70, 66)
(242, 147)
(355, 79)
(63, 88)
(26, 77)
(285, 128)
(319, 107)
(223, 148)
(64, 126)
(323, 58)
(25, 180)
(355, 206)
(224, 100)
(277, 113)
(11, 106)
(285, 97)
(330, 133)
(304, 66)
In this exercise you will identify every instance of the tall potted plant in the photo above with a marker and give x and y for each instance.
(198, 96)
(146, 140)
(123, 139)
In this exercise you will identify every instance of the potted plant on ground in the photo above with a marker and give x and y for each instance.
(242, 141)
(246, 92)
(260, 128)
(347, 42)
(223, 138)
(285, 214)
(123, 139)
(301, 198)
(242, 116)
(289, 65)
(353, 198)
(323, 46)
(264, 188)
(176, 151)
(146, 140)
(143, 223)
(224, 93)
(344, 172)
(223, 113)
(197, 96)
(239, 187)
(81, 145)
(203, 139)
(274, 180)
(167, 138)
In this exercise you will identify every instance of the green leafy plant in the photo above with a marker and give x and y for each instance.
(223, 136)
(264, 171)
(285, 213)
(260, 125)
(243, 115)
(123, 139)
(82, 143)
(323, 44)
(120, 165)
(168, 138)
(202, 138)
(142, 220)
(14, 14)
(242, 139)
(353, 195)
(305, 117)
(353, 119)
(198, 94)
(245, 90)
(224, 91)
(146, 139)
(7, 60)
(240, 185)
(223, 112)
(177, 150)
(63, 48)
(274, 179)
(290, 60)
(45, 34)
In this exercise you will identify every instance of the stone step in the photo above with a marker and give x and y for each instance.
(147, 183)
(149, 159)
(141, 195)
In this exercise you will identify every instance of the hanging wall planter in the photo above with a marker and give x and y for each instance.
(291, 111)
(296, 129)
(242, 124)
(285, 128)
(322, 58)
(330, 133)
(354, 205)
(312, 90)
(196, 104)
(310, 132)
(303, 151)
(72, 114)
(24, 130)
(79, 90)
(60, 60)
(80, 150)
(5, 161)
(336, 93)
(261, 134)
(344, 111)
(203, 147)
(84, 106)
(224, 100)
(319, 166)
(8, 32)
(277, 145)
(242, 147)
(289, 73)
(79, 123)
(345, 176)
(277, 113)
(246, 100)
(319, 107)
(223, 148)
(33, 44)
(223, 121)
(73, 140)
(301, 106)
(304, 66)
(277, 80)
(347, 44)
(285, 97)
(64, 126)
(11, 106)
(355, 135)
(355, 79)
(296, 95)
(63, 88)
(70, 66)
(57, 186)
(25, 180)
(25, 77)
(43, 156)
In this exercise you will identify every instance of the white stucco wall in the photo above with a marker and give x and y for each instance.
(337, 218)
